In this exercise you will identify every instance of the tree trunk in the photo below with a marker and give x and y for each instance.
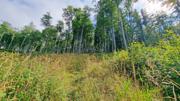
(1, 44)
(113, 40)
(113, 35)
(73, 44)
(143, 39)
(65, 47)
(134, 72)
(23, 43)
(122, 28)
(80, 44)
(10, 42)
(178, 8)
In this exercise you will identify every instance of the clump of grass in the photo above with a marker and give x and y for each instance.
(66, 77)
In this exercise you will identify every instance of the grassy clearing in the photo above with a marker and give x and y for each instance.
(66, 77)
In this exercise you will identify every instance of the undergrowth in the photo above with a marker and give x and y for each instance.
(67, 77)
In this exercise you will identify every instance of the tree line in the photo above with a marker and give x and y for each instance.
(116, 25)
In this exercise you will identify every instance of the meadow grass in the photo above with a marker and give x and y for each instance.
(67, 77)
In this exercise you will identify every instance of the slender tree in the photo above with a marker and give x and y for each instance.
(46, 20)
(68, 14)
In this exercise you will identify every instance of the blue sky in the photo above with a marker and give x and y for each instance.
(22, 12)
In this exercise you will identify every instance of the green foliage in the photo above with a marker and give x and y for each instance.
(82, 28)
(155, 66)
(107, 26)
(46, 20)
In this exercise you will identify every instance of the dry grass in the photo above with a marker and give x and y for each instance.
(66, 77)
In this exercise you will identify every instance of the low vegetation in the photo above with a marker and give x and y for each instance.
(66, 77)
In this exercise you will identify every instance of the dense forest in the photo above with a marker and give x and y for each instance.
(117, 25)
(121, 44)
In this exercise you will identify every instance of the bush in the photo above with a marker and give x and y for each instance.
(155, 66)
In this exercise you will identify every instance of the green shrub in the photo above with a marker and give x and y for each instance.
(155, 66)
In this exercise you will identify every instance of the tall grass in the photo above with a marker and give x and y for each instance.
(66, 77)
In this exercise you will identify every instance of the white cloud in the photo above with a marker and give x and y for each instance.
(152, 7)
(22, 12)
